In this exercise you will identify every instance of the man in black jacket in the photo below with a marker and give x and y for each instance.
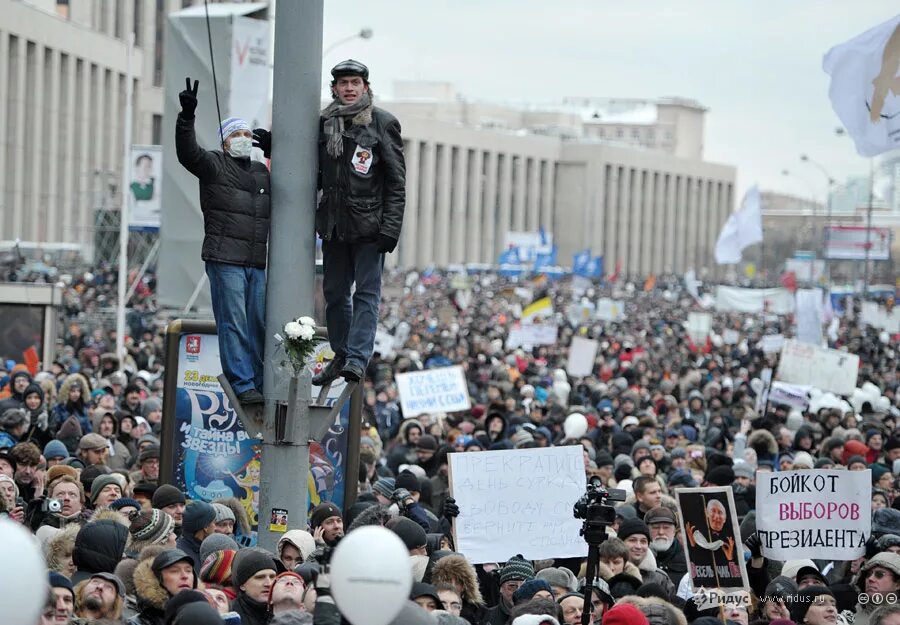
(234, 198)
(362, 176)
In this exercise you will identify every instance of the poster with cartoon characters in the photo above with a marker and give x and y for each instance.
(215, 458)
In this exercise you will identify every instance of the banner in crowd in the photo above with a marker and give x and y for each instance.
(518, 501)
(433, 390)
(529, 244)
(827, 369)
(771, 343)
(731, 337)
(582, 353)
(146, 190)
(530, 335)
(699, 325)
(815, 513)
(793, 395)
(809, 316)
(712, 538)
(736, 299)
(880, 317)
(610, 309)
(214, 457)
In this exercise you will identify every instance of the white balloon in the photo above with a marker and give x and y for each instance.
(23, 581)
(370, 576)
(575, 425)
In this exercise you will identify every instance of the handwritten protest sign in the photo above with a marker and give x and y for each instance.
(529, 335)
(771, 343)
(712, 538)
(731, 337)
(582, 352)
(808, 316)
(814, 514)
(827, 369)
(699, 325)
(433, 390)
(793, 395)
(518, 501)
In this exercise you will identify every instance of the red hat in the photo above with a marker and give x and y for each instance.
(286, 574)
(854, 448)
(625, 614)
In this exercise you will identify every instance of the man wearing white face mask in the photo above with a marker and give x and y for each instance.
(234, 198)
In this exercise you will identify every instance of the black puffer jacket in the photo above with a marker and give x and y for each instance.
(99, 546)
(361, 201)
(234, 198)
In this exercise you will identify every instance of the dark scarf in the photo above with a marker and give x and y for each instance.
(252, 612)
(335, 114)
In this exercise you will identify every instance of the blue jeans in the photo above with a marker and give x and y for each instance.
(239, 306)
(352, 320)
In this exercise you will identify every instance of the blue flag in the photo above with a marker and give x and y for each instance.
(580, 262)
(509, 257)
(544, 260)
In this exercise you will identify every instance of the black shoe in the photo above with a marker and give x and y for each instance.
(330, 373)
(251, 398)
(352, 372)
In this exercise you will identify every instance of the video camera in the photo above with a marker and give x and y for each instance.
(596, 511)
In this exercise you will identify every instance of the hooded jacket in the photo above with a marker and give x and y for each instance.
(99, 546)
(151, 596)
(65, 409)
(764, 444)
(119, 456)
(39, 430)
(15, 400)
(455, 569)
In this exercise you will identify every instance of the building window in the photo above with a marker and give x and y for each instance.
(138, 23)
(620, 133)
(156, 130)
(158, 43)
(635, 133)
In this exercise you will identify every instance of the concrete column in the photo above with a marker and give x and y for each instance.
(703, 222)
(406, 251)
(624, 215)
(610, 223)
(84, 164)
(669, 224)
(475, 189)
(459, 229)
(597, 209)
(636, 220)
(533, 203)
(659, 212)
(4, 94)
(17, 139)
(648, 222)
(548, 189)
(51, 196)
(712, 232)
(36, 152)
(489, 211)
(442, 218)
(520, 184)
(680, 231)
(70, 178)
(425, 246)
(504, 223)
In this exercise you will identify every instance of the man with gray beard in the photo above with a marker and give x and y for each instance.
(668, 551)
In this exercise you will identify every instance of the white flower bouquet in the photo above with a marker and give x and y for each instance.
(298, 341)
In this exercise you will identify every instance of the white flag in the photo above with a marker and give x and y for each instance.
(865, 87)
(743, 228)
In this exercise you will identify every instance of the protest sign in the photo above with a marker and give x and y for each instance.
(771, 343)
(827, 369)
(610, 309)
(762, 396)
(712, 539)
(793, 395)
(815, 513)
(518, 501)
(582, 352)
(698, 325)
(580, 312)
(433, 390)
(809, 316)
(529, 335)
(735, 299)
(731, 337)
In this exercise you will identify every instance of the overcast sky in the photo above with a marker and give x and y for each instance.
(756, 64)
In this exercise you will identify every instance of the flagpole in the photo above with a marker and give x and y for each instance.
(869, 226)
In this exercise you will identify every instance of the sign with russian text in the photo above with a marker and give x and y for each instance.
(827, 369)
(518, 501)
(816, 513)
(582, 353)
(530, 335)
(433, 390)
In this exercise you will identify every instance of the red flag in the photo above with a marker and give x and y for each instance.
(789, 281)
(32, 361)
(615, 276)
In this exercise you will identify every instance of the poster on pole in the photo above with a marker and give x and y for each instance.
(250, 72)
(518, 501)
(582, 353)
(433, 390)
(815, 513)
(145, 189)
(827, 369)
(712, 538)
(699, 325)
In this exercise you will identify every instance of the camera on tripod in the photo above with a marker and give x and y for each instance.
(596, 511)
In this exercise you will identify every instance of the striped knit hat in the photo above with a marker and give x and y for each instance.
(151, 527)
(216, 568)
(232, 125)
(516, 568)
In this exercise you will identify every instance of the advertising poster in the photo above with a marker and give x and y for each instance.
(146, 195)
(214, 457)
(250, 73)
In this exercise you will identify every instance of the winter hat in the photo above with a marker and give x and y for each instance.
(55, 449)
(522, 437)
(886, 521)
(300, 539)
(535, 619)
(742, 469)
(410, 532)
(166, 495)
(853, 448)
(805, 597)
(885, 559)
(516, 568)
(720, 476)
(150, 452)
(682, 478)
(125, 502)
(529, 589)
(223, 513)
(629, 527)
(58, 580)
(92, 441)
(101, 482)
(175, 605)
(216, 568)
(803, 459)
(384, 487)
(232, 125)
(604, 459)
(624, 614)
(790, 568)
(781, 587)
(408, 481)
(115, 581)
(560, 577)
(622, 460)
(57, 471)
(197, 515)
(626, 511)
(249, 562)
(151, 527)
(216, 542)
(322, 512)
(197, 614)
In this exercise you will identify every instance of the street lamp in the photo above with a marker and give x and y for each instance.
(830, 182)
(364, 33)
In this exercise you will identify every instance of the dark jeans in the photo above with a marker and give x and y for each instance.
(352, 321)
(239, 305)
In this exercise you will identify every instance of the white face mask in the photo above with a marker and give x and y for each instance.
(239, 147)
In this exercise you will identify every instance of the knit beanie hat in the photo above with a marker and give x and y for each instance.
(232, 125)
(216, 568)
(625, 614)
(166, 495)
(125, 502)
(517, 568)
(629, 527)
(805, 597)
(175, 605)
(223, 513)
(322, 512)
(249, 562)
(151, 527)
(55, 449)
(407, 480)
(529, 589)
(101, 482)
(58, 580)
(410, 532)
(384, 487)
(197, 515)
(720, 476)
(216, 542)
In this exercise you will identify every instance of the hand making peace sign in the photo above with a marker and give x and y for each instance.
(188, 98)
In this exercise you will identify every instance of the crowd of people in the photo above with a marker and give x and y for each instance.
(80, 447)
